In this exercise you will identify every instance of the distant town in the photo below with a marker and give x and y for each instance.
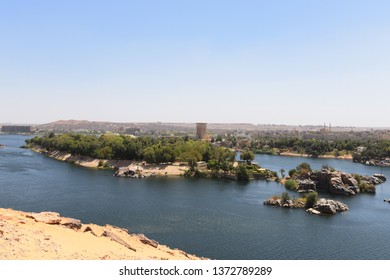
(208, 131)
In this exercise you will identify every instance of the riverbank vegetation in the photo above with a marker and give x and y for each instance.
(361, 150)
(121, 147)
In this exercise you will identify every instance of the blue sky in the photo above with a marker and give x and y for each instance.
(273, 62)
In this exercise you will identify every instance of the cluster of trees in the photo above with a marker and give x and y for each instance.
(313, 147)
(373, 150)
(152, 150)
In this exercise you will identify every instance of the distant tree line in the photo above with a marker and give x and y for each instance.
(372, 148)
(123, 147)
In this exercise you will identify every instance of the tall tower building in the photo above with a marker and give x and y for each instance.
(201, 130)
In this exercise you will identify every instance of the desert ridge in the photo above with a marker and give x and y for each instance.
(48, 236)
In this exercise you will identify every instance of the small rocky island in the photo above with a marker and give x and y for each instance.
(307, 182)
(311, 202)
(303, 180)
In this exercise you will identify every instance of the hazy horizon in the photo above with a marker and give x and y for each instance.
(211, 123)
(282, 62)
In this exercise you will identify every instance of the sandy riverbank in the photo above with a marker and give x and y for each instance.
(144, 168)
(47, 236)
(289, 154)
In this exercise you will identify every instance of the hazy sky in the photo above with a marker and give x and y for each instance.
(277, 62)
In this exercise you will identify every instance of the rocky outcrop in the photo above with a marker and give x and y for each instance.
(48, 236)
(286, 203)
(327, 206)
(306, 185)
(322, 206)
(337, 182)
(50, 218)
(273, 202)
(333, 182)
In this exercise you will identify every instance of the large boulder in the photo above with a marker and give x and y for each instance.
(313, 211)
(337, 186)
(380, 177)
(349, 180)
(328, 206)
(306, 185)
(336, 182)
(325, 208)
(51, 218)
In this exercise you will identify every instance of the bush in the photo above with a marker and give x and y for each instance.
(311, 199)
(242, 173)
(358, 178)
(365, 187)
(303, 165)
(292, 172)
(285, 197)
(291, 185)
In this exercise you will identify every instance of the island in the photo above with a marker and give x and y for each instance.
(308, 182)
(138, 157)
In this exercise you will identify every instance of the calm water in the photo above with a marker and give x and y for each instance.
(210, 218)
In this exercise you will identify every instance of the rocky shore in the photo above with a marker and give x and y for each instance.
(124, 168)
(48, 236)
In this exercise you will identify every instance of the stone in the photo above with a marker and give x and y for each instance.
(313, 211)
(71, 223)
(117, 239)
(147, 241)
(273, 202)
(306, 185)
(337, 186)
(325, 208)
(349, 180)
(328, 206)
(381, 177)
(88, 229)
(51, 218)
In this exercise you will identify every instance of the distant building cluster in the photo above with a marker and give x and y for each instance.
(325, 129)
(16, 129)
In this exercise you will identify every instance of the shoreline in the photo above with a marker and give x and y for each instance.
(290, 154)
(145, 169)
(48, 236)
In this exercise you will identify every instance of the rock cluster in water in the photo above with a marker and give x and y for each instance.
(322, 206)
(337, 182)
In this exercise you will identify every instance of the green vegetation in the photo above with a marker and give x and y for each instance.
(291, 185)
(285, 197)
(120, 147)
(312, 147)
(311, 199)
(242, 173)
(302, 170)
(373, 150)
(217, 161)
(247, 155)
(366, 187)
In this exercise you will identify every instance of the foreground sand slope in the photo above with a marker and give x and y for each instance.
(48, 236)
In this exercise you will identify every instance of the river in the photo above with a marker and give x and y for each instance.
(217, 219)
